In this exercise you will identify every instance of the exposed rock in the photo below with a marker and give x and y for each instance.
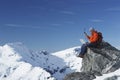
(97, 61)
(103, 59)
(113, 77)
(80, 76)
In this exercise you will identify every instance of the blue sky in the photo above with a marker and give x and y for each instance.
(55, 25)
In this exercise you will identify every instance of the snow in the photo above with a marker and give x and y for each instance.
(69, 61)
(69, 57)
(116, 73)
(17, 62)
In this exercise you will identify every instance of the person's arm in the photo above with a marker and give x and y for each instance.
(87, 35)
(94, 38)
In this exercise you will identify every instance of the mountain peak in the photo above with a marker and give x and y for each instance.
(98, 61)
(103, 59)
(18, 62)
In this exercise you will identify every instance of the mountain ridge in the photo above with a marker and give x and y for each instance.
(17, 62)
(56, 65)
(97, 61)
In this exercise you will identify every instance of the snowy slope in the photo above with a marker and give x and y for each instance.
(116, 73)
(19, 63)
(67, 62)
(16, 63)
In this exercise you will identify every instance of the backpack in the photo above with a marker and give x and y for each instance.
(100, 37)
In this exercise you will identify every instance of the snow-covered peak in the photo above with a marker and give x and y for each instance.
(20, 49)
(8, 53)
(18, 63)
(18, 46)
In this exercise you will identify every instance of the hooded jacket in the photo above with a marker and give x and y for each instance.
(94, 37)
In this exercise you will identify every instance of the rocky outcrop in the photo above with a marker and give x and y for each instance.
(97, 61)
(103, 59)
(80, 76)
(113, 77)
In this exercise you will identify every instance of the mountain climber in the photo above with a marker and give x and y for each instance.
(94, 40)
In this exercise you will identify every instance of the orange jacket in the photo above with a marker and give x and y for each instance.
(94, 37)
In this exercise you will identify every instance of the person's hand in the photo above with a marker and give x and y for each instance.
(85, 33)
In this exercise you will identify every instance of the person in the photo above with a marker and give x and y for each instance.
(94, 40)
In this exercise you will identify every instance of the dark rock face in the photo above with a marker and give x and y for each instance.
(97, 61)
(80, 76)
(113, 77)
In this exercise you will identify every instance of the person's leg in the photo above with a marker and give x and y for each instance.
(83, 50)
(84, 47)
(91, 44)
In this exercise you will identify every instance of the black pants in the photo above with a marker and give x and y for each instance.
(84, 47)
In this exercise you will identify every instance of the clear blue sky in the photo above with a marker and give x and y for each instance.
(55, 25)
